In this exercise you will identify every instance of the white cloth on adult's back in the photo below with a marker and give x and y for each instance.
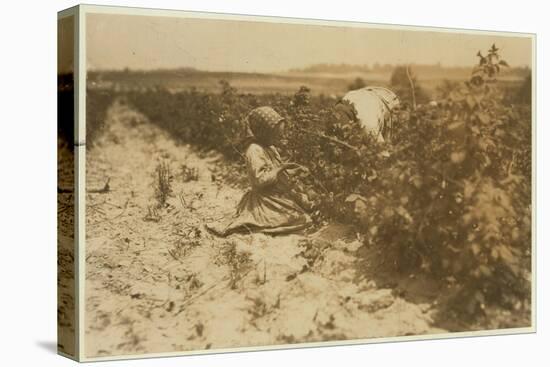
(373, 106)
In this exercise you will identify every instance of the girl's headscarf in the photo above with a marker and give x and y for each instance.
(261, 122)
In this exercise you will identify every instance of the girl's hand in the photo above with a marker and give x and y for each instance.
(284, 168)
(304, 170)
(296, 168)
(290, 166)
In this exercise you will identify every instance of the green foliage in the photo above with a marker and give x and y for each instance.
(453, 198)
(209, 121)
(400, 83)
(445, 88)
(97, 104)
(65, 108)
(162, 183)
(358, 83)
(522, 95)
(239, 263)
(302, 97)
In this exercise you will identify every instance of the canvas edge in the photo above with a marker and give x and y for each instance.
(85, 9)
(343, 343)
(80, 144)
(124, 10)
(67, 12)
(63, 14)
(534, 186)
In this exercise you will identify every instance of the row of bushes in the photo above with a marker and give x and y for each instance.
(449, 196)
(98, 102)
(65, 108)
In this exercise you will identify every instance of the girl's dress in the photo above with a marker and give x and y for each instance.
(270, 206)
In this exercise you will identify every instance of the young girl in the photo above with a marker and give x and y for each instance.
(270, 206)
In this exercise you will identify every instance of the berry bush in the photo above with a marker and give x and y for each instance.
(449, 196)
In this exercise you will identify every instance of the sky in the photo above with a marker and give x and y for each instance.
(153, 42)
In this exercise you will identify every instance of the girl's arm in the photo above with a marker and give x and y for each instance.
(295, 168)
(260, 167)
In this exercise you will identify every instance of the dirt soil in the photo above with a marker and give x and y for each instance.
(65, 249)
(156, 281)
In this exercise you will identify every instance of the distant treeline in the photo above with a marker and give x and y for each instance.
(423, 69)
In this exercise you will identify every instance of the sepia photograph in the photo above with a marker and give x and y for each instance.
(262, 182)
